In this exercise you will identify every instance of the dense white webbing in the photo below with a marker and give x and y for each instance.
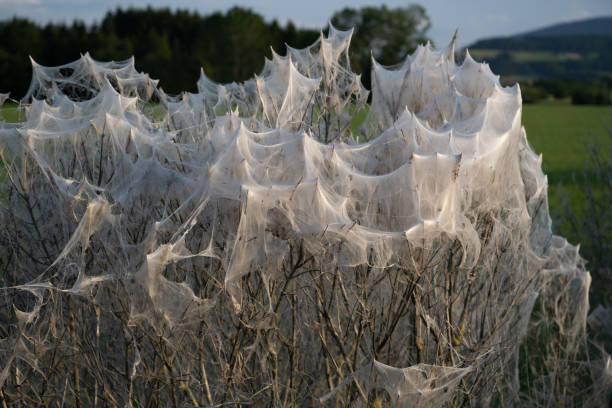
(272, 255)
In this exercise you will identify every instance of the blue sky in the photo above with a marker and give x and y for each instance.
(475, 19)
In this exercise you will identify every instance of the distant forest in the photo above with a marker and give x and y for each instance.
(172, 45)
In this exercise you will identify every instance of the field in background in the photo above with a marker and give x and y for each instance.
(561, 133)
(564, 134)
(9, 113)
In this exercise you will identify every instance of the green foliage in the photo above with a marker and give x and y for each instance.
(533, 94)
(386, 34)
(579, 92)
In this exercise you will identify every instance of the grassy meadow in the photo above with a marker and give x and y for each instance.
(10, 113)
(564, 135)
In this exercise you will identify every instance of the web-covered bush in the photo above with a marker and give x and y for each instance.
(246, 245)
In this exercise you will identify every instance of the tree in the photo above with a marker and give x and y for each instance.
(388, 35)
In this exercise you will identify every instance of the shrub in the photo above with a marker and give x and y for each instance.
(246, 248)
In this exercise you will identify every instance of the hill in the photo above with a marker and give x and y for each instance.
(592, 26)
(576, 50)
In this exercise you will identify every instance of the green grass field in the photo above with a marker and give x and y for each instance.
(10, 113)
(563, 133)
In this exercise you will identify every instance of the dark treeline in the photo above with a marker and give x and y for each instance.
(172, 45)
(594, 91)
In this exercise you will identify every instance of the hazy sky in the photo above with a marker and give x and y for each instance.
(475, 18)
